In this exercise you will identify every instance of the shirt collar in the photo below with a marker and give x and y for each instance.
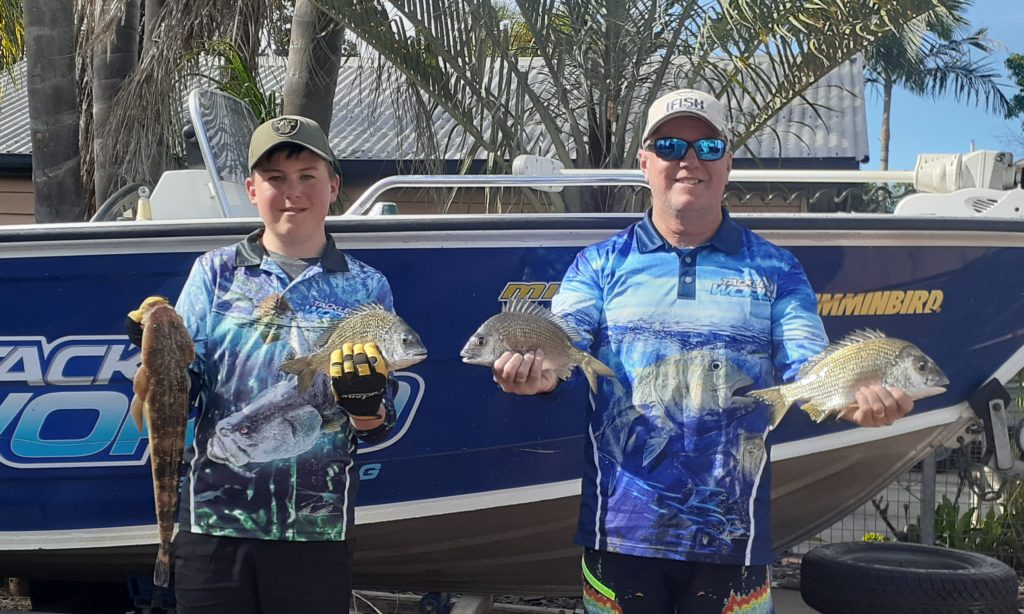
(250, 252)
(728, 238)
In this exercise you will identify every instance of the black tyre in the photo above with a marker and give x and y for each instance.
(883, 578)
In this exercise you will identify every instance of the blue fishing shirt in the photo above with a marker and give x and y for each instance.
(283, 464)
(676, 461)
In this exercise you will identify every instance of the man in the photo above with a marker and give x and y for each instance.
(267, 503)
(674, 511)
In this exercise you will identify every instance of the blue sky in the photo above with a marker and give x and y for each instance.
(921, 125)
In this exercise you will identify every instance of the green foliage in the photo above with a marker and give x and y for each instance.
(240, 80)
(875, 537)
(12, 33)
(999, 533)
(1015, 65)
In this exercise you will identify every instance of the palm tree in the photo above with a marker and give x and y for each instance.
(53, 109)
(595, 65)
(314, 56)
(12, 33)
(113, 61)
(931, 56)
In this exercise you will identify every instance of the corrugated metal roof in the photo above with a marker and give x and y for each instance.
(15, 137)
(371, 124)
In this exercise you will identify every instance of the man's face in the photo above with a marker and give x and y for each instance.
(688, 185)
(293, 195)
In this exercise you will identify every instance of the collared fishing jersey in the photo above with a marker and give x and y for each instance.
(676, 461)
(269, 461)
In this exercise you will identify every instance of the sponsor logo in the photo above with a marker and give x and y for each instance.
(530, 291)
(66, 403)
(757, 289)
(886, 302)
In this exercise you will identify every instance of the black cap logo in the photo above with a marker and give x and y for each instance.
(284, 126)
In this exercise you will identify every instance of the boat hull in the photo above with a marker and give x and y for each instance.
(475, 489)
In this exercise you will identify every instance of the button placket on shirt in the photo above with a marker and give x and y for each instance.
(687, 279)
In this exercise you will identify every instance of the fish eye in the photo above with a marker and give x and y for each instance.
(479, 339)
(243, 429)
(405, 338)
(716, 365)
(921, 366)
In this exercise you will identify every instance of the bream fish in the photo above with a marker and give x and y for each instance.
(399, 344)
(524, 326)
(828, 382)
(161, 402)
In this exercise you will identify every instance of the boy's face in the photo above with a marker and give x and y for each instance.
(293, 195)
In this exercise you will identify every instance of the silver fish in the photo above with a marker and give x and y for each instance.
(279, 423)
(828, 382)
(399, 344)
(694, 383)
(161, 398)
(524, 326)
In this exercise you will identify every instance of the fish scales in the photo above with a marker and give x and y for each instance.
(523, 327)
(161, 400)
(398, 343)
(828, 383)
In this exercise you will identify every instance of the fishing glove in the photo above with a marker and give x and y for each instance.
(359, 378)
(133, 322)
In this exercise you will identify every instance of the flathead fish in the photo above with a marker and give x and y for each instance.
(398, 343)
(524, 326)
(161, 401)
(828, 382)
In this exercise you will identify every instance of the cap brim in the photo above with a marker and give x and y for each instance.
(328, 157)
(651, 129)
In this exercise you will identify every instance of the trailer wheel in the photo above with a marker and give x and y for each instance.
(896, 578)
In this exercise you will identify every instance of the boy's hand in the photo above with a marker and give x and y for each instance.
(133, 322)
(359, 379)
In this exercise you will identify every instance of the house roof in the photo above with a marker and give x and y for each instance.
(367, 126)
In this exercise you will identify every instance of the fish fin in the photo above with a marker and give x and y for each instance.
(137, 412)
(775, 398)
(565, 372)
(816, 411)
(332, 426)
(533, 308)
(853, 338)
(162, 570)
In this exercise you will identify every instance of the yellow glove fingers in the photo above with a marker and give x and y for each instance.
(347, 350)
(337, 363)
(376, 358)
(362, 363)
(147, 304)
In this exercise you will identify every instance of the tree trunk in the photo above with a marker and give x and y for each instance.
(111, 66)
(883, 156)
(53, 110)
(152, 13)
(313, 60)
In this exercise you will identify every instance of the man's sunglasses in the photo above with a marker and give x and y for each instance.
(671, 148)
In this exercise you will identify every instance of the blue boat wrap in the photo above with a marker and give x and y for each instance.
(71, 459)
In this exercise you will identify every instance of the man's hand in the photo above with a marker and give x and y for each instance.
(359, 378)
(524, 373)
(878, 406)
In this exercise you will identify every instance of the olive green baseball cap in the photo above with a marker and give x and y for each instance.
(289, 129)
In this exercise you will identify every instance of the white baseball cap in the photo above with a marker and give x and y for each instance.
(687, 103)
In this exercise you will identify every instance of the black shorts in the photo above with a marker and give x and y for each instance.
(615, 583)
(242, 576)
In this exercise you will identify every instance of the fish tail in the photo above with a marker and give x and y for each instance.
(592, 368)
(776, 398)
(162, 570)
(304, 369)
